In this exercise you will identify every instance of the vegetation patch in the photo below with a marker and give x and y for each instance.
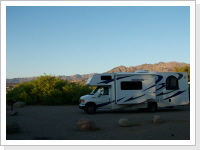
(48, 90)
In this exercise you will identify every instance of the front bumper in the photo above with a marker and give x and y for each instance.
(81, 106)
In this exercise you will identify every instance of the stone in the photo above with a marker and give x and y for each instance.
(86, 125)
(157, 119)
(13, 113)
(123, 122)
(19, 104)
(12, 128)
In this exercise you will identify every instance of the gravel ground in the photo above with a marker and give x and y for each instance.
(59, 123)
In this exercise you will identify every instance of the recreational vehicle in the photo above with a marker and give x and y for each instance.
(140, 89)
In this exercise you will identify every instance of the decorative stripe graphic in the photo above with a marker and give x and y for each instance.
(122, 77)
(107, 103)
(106, 81)
(149, 87)
(103, 104)
(159, 78)
(179, 76)
(162, 86)
(164, 93)
(120, 99)
(133, 98)
(178, 93)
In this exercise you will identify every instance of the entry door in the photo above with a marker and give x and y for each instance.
(104, 99)
(168, 97)
(171, 92)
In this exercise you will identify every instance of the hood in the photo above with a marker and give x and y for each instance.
(85, 96)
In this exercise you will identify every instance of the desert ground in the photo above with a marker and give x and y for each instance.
(60, 123)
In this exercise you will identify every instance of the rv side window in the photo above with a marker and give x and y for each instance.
(106, 77)
(172, 83)
(131, 85)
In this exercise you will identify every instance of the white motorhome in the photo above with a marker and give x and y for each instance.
(140, 89)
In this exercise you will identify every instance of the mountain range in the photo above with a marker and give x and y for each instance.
(160, 67)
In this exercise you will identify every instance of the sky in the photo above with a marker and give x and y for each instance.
(69, 40)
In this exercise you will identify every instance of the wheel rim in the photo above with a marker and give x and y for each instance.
(152, 107)
(91, 109)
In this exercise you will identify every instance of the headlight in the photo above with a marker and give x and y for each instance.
(82, 100)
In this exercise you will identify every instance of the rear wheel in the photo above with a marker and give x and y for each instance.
(152, 107)
(90, 108)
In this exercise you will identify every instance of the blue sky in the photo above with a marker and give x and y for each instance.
(68, 40)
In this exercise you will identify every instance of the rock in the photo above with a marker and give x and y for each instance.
(13, 113)
(12, 128)
(19, 104)
(86, 125)
(157, 119)
(125, 122)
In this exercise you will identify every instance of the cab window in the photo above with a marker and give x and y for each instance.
(104, 91)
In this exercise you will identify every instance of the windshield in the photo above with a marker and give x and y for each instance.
(94, 91)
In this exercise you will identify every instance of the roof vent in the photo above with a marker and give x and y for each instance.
(142, 71)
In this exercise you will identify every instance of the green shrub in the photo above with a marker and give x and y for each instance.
(183, 69)
(48, 90)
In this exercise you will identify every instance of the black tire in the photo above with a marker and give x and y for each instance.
(152, 107)
(90, 108)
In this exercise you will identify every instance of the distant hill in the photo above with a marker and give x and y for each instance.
(160, 67)
(74, 78)
(20, 80)
(77, 78)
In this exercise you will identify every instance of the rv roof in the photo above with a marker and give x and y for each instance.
(133, 73)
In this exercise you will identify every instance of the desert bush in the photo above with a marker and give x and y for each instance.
(48, 90)
(183, 69)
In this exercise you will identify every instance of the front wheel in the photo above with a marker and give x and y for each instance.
(90, 108)
(152, 107)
